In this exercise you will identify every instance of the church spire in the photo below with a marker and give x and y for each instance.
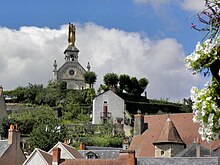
(88, 67)
(71, 52)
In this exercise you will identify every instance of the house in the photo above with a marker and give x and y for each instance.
(125, 158)
(39, 156)
(108, 107)
(63, 154)
(94, 152)
(155, 135)
(67, 152)
(10, 151)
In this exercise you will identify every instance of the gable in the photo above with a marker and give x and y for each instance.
(35, 159)
(71, 70)
(107, 96)
(67, 152)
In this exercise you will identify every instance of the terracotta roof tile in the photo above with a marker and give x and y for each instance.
(169, 134)
(188, 131)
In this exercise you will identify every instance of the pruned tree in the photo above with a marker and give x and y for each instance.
(90, 78)
(111, 79)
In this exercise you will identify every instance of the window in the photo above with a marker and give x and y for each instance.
(91, 155)
(161, 152)
(105, 99)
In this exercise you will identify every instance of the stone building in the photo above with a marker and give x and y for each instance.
(71, 71)
(169, 142)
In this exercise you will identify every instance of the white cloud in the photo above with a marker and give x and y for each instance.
(188, 5)
(193, 5)
(27, 55)
(152, 2)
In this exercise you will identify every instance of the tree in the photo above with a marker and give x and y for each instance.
(143, 82)
(134, 88)
(90, 78)
(124, 82)
(50, 95)
(206, 59)
(111, 79)
(46, 134)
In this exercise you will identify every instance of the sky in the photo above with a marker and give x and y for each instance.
(141, 38)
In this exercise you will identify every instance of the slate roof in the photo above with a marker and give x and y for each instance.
(169, 134)
(102, 148)
(178, 161)
(188, 131)
(191, 151)
(102, 154)
(3, 146)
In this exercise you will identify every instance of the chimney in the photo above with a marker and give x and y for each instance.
(65, 141)
(82, 146)
(198, 147)
(14, 136)
(127, 156)
(139, 126)
(56, 156)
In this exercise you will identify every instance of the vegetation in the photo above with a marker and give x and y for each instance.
(124, 83)
(90, 78)
(56, 113)
(206, 59)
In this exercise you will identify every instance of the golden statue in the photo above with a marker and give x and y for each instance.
(71, 37)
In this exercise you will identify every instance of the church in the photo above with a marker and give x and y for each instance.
(71, 71)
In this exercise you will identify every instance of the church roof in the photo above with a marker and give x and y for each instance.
(71, 48)
(169, 134)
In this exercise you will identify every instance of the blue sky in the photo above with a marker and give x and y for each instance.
(142, 38)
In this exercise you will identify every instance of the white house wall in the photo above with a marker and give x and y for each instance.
(36, 159)
(115, 106)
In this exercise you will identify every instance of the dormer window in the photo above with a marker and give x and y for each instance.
(91, 155)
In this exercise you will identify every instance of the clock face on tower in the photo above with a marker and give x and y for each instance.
(71, 72)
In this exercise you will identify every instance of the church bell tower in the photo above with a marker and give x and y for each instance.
(71, 71)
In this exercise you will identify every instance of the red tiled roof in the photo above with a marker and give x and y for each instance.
(188, 131)
(125, 158)
(169, 134)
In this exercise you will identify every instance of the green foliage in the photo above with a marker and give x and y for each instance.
(27, 119)
(124, 82)
(103, 141)
(46, 134)
(111, 79)
(130, 85)
(50, 95)
(42, 127)
(90, 78)
(187, 106)
(98, 135)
